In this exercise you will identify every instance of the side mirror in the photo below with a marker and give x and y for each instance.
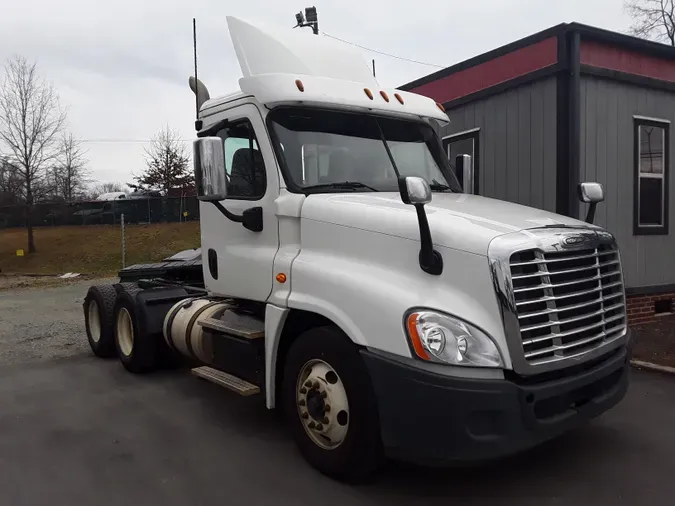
(416, 191)
(209, 168)
(464, 168)
(591, 193)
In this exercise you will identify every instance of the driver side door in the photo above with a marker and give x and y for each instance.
(237, 261)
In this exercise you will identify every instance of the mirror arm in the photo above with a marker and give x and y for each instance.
(430, 260)
(252, 219)
(590, 216)
(230, 216)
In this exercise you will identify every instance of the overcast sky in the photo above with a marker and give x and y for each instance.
(121, 67)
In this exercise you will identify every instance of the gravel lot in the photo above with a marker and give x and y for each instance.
(43, 323)
(78, 430)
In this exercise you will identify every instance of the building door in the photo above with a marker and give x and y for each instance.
(465, 143)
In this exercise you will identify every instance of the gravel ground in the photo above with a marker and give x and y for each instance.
(43, 323)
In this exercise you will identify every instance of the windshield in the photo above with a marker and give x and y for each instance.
(320, 147)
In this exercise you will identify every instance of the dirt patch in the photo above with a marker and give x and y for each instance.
(655, 342)
(10, 282)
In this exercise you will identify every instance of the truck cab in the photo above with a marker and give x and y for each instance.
(350, 281)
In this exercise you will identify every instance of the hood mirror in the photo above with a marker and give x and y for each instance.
(591, 193)
(416, 191)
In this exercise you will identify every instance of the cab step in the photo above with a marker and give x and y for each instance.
(238, 385)
(236, 324)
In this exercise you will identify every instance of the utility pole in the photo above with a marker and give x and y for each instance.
(309, 18)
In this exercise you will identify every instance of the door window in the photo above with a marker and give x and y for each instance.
(244, 166)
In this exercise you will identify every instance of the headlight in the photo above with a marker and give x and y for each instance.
(440, 338)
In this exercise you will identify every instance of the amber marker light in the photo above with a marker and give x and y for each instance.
(281, 277)
(415, 337)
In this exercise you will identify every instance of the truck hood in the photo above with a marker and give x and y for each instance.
(459, 221)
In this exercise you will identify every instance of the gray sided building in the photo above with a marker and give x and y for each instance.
(571, 104)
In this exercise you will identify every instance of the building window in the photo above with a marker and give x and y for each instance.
(652, 159)
(464, 143)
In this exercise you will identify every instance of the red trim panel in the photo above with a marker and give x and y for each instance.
(606, 56)
(499, 70)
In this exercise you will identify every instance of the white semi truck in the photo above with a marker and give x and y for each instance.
(346, 278)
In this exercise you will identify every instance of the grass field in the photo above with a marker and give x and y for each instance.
(93, 249)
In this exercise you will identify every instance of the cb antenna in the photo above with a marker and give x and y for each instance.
(198, 123)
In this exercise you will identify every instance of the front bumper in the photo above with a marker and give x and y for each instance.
(430, 418)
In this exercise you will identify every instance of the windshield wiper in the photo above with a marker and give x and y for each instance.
(438, 187)
(340, 185)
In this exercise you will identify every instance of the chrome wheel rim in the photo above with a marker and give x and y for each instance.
(94, 319)
(322, 404)
(125, 332)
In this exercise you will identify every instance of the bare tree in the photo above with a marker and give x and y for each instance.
(70, 171)
(167, 164)
(652, 19)
(10, 183)
(30, 122)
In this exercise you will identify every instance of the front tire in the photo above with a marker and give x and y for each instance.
(330, 406)
(99, 304)
(137, 350)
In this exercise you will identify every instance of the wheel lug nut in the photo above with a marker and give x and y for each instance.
(311, 425)
(316, 384)
(325, 420)
(324, 394)
(326, 408)
(305, 415)
(303, 390)
(301, 402)
(319, 426)
(308, 384)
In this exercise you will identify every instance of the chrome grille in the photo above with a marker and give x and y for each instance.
(567, 302)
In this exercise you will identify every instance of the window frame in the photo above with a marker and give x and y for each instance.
(473, 134)
(638, 228)
(226, 126)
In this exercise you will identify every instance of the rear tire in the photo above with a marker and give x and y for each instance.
(99, 304)
(344, 442)
(137, 350)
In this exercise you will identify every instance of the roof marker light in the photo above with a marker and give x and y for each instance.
(299, 84)
(384, 96)
(399, 98)
(368, 93)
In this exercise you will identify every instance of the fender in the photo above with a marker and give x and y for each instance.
(275, 318)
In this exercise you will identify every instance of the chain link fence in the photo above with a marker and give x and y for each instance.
(153, 210)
